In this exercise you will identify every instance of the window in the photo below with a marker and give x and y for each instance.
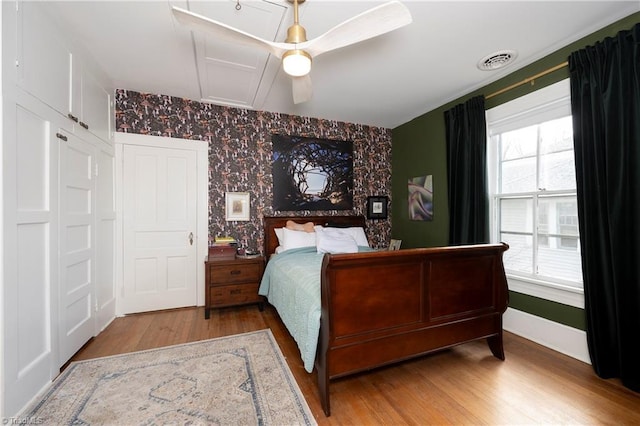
(533, 187)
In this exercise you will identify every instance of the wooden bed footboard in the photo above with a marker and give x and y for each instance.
(383, 307)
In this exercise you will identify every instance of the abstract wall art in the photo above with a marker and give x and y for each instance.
(421, 198)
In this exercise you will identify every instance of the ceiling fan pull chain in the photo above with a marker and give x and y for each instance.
(238, 5)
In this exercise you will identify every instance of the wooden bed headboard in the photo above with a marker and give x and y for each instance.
(272, 222)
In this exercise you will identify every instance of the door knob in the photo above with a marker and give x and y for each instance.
(190, 238)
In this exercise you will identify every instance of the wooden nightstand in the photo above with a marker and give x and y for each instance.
(232, 282)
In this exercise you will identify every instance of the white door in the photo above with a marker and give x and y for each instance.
(77, 247)
(44, 58)
(105, 231)
(159, 228)
(30, 267)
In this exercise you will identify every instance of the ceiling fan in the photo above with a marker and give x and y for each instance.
(297, 52)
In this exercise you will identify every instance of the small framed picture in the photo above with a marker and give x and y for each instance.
(395, 244)
(377, 207)
(237, 205)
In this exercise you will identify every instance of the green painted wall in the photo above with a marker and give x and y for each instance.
(419, 148)
(553, 311)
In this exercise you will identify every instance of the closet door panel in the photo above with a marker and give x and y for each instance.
(96, 107)
(42, 50)
(105, 223)
(77, 241)
(30, 256)
(34, 183)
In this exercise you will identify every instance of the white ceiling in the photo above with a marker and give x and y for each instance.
(384, 82)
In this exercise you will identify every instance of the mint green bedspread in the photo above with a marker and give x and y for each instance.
(291, 283)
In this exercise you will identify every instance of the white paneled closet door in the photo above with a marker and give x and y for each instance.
(105, 231)
(52, 282)
(30, 254)
(77, 245)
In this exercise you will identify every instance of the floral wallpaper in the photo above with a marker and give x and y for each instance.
(240, 155)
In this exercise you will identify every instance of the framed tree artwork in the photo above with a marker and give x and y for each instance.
(312, 174)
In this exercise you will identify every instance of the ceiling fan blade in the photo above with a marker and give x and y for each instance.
(223, 31)
(371, 23)
(302, 89)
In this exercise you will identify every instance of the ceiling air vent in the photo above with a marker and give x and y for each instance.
(497, 60)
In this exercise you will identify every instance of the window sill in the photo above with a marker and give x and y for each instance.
(547, 290)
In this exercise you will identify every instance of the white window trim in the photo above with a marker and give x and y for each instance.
(554, 292)
(555, 96)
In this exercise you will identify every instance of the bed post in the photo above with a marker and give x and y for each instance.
(495, 341)
(323, 381)
(322, 355)
(495, 344)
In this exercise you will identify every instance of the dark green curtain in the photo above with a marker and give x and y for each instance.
(467, 172)
(605, 103)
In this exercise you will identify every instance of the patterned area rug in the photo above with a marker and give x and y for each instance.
(241, 379)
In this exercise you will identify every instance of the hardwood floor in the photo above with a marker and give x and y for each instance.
(463, 385)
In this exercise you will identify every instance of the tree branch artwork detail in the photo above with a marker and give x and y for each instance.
(312, 174)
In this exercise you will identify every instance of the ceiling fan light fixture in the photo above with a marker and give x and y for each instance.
(296, 63)
(297, 52)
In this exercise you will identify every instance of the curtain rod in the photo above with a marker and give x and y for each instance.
(528, 80)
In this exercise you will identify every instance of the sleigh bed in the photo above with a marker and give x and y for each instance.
(382, 307)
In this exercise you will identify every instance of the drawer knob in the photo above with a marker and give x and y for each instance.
(238, 291)
(235, 272)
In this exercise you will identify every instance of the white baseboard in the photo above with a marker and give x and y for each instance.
(559, 337)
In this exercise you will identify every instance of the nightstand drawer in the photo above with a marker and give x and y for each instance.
(234, 294)
(235, 273)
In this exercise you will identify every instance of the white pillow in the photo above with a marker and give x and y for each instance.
(335, 240)
(297, 239)
(280, 234)
(358, 234)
